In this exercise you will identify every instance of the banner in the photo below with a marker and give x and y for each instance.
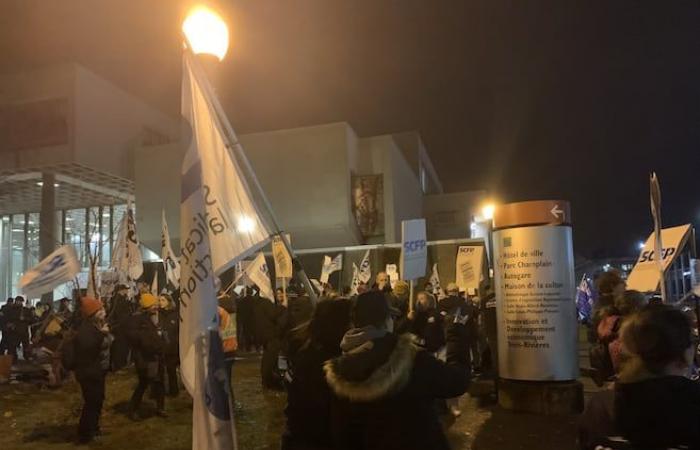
(435, 283)
(126, 255)
(206, 224)
(645, 276)
(365, 271)
(282, 258)
(59, 267)
(414, 251)
(469, 266)
(393, 273)
(331, 266)
(170, 262)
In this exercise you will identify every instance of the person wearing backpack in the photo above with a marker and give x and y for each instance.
(89, 351)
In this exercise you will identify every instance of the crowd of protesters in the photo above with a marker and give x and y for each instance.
(644, 355)
(369, 370)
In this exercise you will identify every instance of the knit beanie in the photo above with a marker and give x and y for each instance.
(89, 306)
(371, 308)
(148, 300)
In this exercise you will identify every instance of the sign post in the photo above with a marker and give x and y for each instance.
(535, 308)
(414, 252)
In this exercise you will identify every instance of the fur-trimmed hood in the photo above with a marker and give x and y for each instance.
(381, 369)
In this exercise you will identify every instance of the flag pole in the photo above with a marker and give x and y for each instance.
(234, 145)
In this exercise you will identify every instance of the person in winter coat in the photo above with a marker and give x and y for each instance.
(270, 320)
(426, 323)
(654, 403)
(118, 318)
(308, 394)
(91, 345)
(384, 386)
(4, 325)
(245, 323)
(168, 318)
(399, 298)
(148, 346)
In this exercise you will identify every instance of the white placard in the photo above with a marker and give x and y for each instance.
(282, 258)
(393, 274)
(414, 251)
(469, 267)
(535, 291)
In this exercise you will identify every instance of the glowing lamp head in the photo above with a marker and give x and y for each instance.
(487, 211)
(206, 32)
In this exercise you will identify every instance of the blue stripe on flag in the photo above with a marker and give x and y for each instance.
(191, 181)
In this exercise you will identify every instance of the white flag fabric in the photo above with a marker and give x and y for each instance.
(258, 273)
(170, 262)
(435, 283)
(355, 284)
(231, 218)
(59, 267)
(331, 266)
(154, 284)
(126, 256)
(202, 225)
(365, 269)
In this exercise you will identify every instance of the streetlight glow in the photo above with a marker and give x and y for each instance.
(487, 211)
(246, 224)
(206, 32)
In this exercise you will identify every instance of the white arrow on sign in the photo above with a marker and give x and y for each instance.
(557, 213)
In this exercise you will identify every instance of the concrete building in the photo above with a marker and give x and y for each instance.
(74, 149)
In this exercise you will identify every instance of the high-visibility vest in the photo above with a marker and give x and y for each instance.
(227, 331)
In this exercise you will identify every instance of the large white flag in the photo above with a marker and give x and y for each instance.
(331, 266)
(365, 269)
(218, 226)
(126, 256)
(170, 262)
(60, 266)
(230, 217)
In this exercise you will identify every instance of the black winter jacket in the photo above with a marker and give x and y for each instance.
(89, 343)
(659, 412)
(384, 394)
(308, 401)
(146, 340)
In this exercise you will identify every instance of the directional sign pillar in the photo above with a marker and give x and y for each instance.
(535, 308)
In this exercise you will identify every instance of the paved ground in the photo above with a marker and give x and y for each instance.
(33, 419)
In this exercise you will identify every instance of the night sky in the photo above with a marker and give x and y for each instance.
(526, 99)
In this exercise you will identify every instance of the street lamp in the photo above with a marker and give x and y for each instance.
(206, 32)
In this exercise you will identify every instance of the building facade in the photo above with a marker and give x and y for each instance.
(75, 149)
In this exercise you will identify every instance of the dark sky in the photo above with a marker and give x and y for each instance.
(527, 99)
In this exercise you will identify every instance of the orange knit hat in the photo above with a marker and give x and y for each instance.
(89, 306)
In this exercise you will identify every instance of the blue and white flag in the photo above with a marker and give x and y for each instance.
(584, 300)
(59, 267)
(170, 262)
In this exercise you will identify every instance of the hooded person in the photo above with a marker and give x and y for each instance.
(91, 346)
(384, 386)
(148, 346)
(308, 394)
